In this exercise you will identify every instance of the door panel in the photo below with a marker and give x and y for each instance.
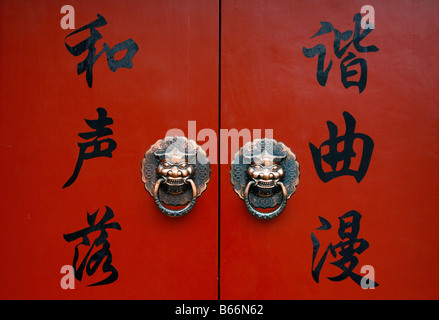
(270, 80)
(269, 83)
(43, 106)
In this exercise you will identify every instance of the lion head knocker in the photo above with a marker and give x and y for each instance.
(264, 173)
(175, 172)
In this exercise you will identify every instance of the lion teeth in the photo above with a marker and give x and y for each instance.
(174, 181)
(262, 183)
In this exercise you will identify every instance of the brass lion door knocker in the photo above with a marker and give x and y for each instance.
(175, 172)
(265, 174)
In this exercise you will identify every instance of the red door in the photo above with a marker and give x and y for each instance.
(173, 79)
(73, 136)
(269, 83)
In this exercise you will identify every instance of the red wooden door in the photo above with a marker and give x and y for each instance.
(43, 106)
(268, 83)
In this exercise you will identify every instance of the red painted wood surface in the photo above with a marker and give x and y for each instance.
(43, 106)
(266, 83)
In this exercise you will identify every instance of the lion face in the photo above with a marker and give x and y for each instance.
(265, 173)
(175, 173)
(175, 170)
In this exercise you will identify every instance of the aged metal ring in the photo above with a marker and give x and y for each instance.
(179, 212)
(265, 215)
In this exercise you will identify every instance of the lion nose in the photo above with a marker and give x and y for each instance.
(174, 173)
(266, 174)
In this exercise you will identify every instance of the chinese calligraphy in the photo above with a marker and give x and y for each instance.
(97, 144)
(89, 44)
(346, 249)
(333, 157)
(91, 262)
(350, 60)
(101, 130)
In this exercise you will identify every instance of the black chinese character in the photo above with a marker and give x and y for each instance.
(334, 157)
(89, 44)
(351, 60)
(91, 262)
(99, 126)
(345, 249)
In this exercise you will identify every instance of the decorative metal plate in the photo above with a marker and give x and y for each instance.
(175, 172)
(265, 174)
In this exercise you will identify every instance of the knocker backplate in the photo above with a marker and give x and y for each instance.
(197, 158)
(257, 149)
